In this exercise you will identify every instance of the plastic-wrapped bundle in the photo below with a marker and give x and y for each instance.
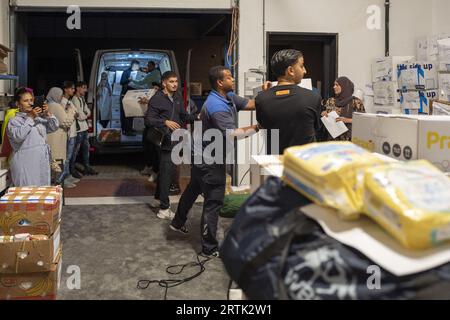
(411, 201)
(330, 174)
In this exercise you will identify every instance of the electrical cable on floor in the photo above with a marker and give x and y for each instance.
(170, 283)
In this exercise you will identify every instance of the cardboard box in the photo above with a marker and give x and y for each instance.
(417, 100)
(386, 93)
(418, 76)
(444, 49)
(405, 137)
(32, 286)
(30, 211)
(377, 109)
(444, 66)
(110, 135)
(30, 256)
(444, 86)
(386, 69)
(196, 88)
(427, 48)
(131, 105)
(117, 89)
(138, 124)
(440, 109)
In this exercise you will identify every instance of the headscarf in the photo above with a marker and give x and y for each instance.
(346, 95)
(55, 95)
(104, 83)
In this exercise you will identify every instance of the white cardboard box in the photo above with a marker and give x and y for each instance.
(405, 137)
(131, 105)
(386, 68)
(417, 100)
(418, 75)
(377, 109)
(444, 49)
(386, 93)
(444, 86)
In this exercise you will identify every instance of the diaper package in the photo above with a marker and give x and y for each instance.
(411, 201)
(330, 174)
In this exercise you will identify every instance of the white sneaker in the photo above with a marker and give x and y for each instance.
(154, 203)
(153, 177)
(72, 179)
(166, 214)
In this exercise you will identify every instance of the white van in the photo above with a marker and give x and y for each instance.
(114, 62)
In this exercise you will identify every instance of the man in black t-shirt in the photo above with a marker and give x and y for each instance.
(293, 110)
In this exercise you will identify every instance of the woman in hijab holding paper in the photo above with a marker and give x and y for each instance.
(104, 100)
(344, 103)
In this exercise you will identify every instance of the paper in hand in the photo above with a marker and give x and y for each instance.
(335, 129)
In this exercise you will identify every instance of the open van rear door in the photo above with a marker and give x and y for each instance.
(79, 65)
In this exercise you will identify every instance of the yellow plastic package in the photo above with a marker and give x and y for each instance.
(330, 174)
(411, 201)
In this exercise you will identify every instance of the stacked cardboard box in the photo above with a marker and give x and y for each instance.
(405, 137)
(385, 73)
(436, 49)
(30, 243)
(418, 82)
(4, 51)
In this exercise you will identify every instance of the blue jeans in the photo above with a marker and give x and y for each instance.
(81, 143)
(70, 149)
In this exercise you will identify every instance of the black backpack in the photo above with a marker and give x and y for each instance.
(273, 251)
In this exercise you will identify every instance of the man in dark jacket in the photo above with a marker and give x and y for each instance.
(292, 110)
(127, 123)
(166, 112)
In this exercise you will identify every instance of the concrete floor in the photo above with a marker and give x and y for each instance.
(115, 246)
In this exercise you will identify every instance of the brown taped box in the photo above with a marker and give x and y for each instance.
(29, 256)
(30, 210)
(32, 286)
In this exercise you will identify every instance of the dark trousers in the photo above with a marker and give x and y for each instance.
(164, 179)
(126, 123)
(104, 123)
(81, 145)
(208, 180)
(151, 153)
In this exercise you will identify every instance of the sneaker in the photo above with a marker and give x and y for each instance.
(90, 171)
(166, 214)
(214, 254)
(76, 174)
(183, 229)
(147, 171)
(155, 203)
(71, 179)
(153, 177)
(69, 185)
(174, 190)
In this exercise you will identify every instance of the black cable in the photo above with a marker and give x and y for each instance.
(170, 283)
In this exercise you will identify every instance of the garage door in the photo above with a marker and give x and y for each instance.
(115, 4)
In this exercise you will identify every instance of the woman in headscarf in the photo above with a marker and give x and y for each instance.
(345, 104)
(58, 139)
(27, 132)
(104, 100)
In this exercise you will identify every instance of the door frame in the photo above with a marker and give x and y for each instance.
(331, 46)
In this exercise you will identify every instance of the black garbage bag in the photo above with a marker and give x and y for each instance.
(273, 251)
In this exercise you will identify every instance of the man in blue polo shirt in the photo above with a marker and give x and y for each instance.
(208, 177)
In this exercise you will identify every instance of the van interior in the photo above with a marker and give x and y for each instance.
(114, 64)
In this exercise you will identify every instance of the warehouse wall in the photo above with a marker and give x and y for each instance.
(176, 4)
(4, 35)
(358, 45)
(441, 22)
